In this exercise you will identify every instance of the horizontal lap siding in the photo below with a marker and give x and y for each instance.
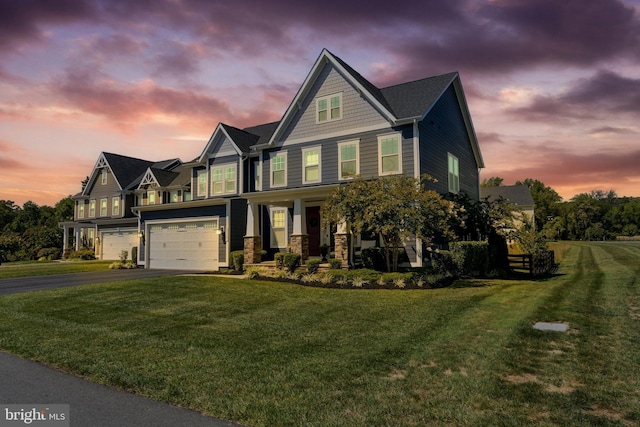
(443, 131)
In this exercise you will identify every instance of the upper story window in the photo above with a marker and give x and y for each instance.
(103, 207)
(92, 208)
(115, 206)
(279, 170)
(348, 159)
(454, 174)
(81, 210)
(389, 154)
(311, 165)
(202, 183)
(104, 176)
(151, 197)
(256, 176)
(186, 196)
(329, 108)
(175, 196)
(223, 179)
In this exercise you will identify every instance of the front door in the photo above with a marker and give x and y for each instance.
(313, 229)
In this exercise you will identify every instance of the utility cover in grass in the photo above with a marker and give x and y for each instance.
(545, 326)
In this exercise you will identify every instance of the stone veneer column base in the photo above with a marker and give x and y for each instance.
(300, 245)
(252, 248)
(342, 248)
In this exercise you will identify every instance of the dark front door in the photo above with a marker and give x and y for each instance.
(313, 229)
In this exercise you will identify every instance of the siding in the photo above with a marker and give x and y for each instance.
(443, 131)
(329, 157)
(222, 145)
(356, 111)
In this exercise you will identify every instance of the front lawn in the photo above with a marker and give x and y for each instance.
(265, 353)
(45, 268)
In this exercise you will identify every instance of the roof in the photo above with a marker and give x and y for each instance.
(517, 194)
(125, 169)
(243, 139)
(414, 99)
(263, 131)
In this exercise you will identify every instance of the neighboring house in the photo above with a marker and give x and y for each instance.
(262, 187)
(518, 195)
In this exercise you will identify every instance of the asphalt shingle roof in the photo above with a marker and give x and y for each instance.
(127, 169)
(517, 194)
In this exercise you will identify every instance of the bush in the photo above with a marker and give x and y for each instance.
(263, 255)
(236, 259)
(83, 254)
(374, 259)
(444, 262)
(49, 253)
(124, 255)
(287, 261)
(335, 264)
(313, 265)
(134, 255)
(119, 265)
(471, 258)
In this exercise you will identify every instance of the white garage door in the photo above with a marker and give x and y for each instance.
(113, 242)
(184, 245)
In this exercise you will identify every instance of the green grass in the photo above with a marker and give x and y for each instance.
(265, 354)
(45, 268)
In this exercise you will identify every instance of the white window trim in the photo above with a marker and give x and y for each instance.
(115, 212)
(155, 197)
(81, 211)
(453, 187)
(106, 206)
(355, 142)
(92, 201)
(223, 168)
(286, 228)
(286, 171)
(206, 183)
(328, 99)
(104, 177)
(314, 148)
(398, 135)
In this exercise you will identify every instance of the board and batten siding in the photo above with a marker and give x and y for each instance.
(443, 131)
(356, 111)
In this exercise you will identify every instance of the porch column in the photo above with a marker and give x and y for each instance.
(78, 232)
(341, 239)
(65, 237)
(252, 238)
(299, 241)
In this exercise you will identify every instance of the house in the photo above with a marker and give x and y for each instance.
(518, 195)
(261, 187)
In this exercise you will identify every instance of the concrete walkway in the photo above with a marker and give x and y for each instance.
(25, 382)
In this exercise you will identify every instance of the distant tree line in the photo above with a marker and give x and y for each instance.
(31, 232)
(597, 215)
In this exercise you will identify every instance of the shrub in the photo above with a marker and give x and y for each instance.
(254, 272)
(236, 259)
(471, 258)
(444, 262)
(123, 255)
(335, 264)
(287, 261)
(83, 254)
(49, 253)
(134, 255)
(263, 255)
(313, 265)
(373, 258)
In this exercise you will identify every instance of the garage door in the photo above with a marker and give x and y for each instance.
(113, 242)
(184, 246)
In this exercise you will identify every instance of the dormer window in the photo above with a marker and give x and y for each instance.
(104, 176)
(329, 108)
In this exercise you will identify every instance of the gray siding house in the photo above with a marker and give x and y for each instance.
(261, 187)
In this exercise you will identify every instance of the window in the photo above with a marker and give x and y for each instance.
(390, 154)
(278, 228)
(151, 197)
(454, 174)
(202, 183)
(175, 196)
(223, 180)
(348, 159)
(329, 108)
(103, 207)
(256, 176)
(115, 206)
(104, 177)
(186, 196)
(311, 165)
(81, 210)
(92, 208)
(279, 170)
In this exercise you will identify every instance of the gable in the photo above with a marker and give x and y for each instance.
(227, 141)
(358, 113)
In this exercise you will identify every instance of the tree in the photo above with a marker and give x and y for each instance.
(545, 201)
(494, 181)
(396, 207)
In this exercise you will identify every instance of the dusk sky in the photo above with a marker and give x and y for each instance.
(553, 86)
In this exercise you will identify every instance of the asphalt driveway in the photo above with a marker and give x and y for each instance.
(36, 283)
